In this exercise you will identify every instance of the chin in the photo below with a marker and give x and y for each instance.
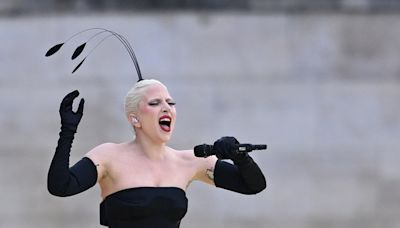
(165, 138)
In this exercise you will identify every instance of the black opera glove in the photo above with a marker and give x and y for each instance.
(61, 179)
(70, 119)
(244, 176)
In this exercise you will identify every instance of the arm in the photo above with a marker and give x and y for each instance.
(243, 176)
(62, 180)
(205, 169)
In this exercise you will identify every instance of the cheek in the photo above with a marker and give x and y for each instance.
(147, 110)
(173, 112)
(147, 114)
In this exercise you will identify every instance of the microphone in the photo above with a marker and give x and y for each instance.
(205, 150)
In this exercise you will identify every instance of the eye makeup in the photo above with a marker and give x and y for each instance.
(156, 102)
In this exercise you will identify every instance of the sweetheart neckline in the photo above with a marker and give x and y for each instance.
(146, 187)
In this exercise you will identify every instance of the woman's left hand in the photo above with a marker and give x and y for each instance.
(226, 148)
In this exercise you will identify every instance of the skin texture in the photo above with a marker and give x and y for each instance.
(147, 160)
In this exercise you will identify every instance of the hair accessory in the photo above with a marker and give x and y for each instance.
(81, 47)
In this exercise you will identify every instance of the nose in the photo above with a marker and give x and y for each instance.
(166, 108)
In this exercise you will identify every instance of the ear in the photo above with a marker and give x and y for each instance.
(134, 120)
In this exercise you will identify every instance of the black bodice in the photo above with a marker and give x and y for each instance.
(144, 207)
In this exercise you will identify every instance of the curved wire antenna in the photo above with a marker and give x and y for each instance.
(81, 47)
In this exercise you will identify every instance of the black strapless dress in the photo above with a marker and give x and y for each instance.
(144, 207)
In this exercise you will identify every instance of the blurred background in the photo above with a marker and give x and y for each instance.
(318, 81)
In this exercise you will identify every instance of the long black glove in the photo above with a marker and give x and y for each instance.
(244, 176)
(62, 180)
(70, 119)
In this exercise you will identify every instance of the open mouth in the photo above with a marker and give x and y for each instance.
(165, 123)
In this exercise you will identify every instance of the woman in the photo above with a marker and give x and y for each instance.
(143, 181)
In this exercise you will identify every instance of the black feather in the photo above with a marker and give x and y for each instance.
(78, 51)
(54, 49)
(78, 65)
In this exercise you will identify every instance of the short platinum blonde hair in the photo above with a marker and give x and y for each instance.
(135, 94)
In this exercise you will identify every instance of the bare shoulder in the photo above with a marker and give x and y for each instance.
(185, 155)
(188, 155)
(199, 163)
(100, 156)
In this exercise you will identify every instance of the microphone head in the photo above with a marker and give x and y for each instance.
(202, 151)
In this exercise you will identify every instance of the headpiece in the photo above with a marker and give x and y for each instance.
(81, 47)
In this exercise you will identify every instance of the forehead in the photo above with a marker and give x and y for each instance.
(156, 91)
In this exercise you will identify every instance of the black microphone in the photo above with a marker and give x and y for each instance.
(205, 150)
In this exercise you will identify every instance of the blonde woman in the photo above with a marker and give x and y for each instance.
(143, 181)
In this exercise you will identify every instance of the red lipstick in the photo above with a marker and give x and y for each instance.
(165, 123)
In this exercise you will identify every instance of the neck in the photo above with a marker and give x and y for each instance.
(152, 150)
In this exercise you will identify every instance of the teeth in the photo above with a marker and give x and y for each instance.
(165, 123)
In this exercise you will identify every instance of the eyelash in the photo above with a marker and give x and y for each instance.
(157, 103)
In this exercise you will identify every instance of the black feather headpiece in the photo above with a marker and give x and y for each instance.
(81, 47)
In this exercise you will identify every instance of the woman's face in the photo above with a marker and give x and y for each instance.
(157, 113)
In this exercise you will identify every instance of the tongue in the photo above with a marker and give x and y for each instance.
(165, 128)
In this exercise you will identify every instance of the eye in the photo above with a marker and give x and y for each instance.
(171, 103)
(154, 103)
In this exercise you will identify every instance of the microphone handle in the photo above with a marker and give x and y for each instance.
(206, 150)
(243, 148)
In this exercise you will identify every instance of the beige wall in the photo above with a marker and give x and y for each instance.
(321, 90)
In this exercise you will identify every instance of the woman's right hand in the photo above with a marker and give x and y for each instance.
(69, 118)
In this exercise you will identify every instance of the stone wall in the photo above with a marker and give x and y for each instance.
(18, 7)
(321, 90)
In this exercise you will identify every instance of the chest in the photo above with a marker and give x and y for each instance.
(136, 171)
